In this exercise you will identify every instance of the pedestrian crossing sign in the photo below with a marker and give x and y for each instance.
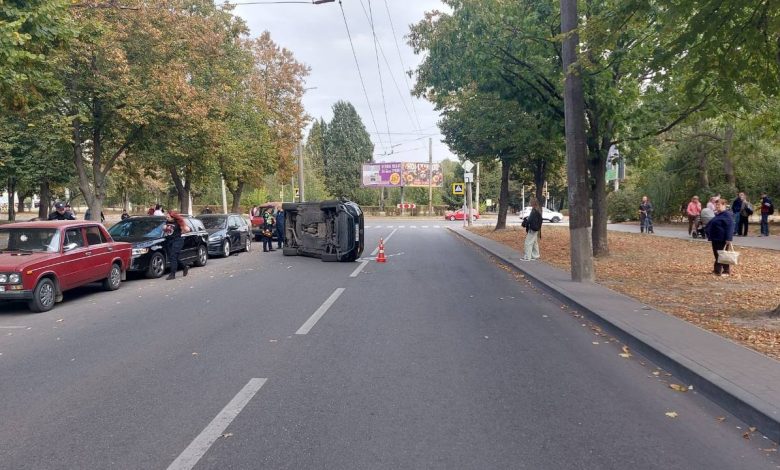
(457, 189)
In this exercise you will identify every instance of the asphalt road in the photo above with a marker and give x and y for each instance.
(438, 358)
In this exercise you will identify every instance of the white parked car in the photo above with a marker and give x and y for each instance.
(548, 215)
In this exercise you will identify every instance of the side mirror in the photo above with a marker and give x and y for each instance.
(70, 246)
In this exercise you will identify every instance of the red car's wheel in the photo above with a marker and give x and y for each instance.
(452, 217)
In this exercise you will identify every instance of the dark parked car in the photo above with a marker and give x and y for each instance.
(330, 230)
(41, 260)
(149, 247)
(227, 233)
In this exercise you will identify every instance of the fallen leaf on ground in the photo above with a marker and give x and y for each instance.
(721, 418)
(626, 353)
(226, 435)
(656, 373)
(746, 435)
(771, 449)
(678, 388)
(671, 414)
(60, 320)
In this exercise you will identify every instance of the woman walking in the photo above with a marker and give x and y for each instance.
(174, 227)
(533, 231)
(720, 232)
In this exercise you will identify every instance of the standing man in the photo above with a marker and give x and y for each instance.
(279, 228)
(736, 209)
(694, 212)
(767, 209)
(646, 215)
(60, 214)
(268, 230)
(175, 225)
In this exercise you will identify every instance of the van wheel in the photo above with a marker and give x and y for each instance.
(114, 278)
(44, 296)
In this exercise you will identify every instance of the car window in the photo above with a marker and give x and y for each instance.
(74, 236)
(94, 236)
(138, 228)
(213, 222)
(196, 224)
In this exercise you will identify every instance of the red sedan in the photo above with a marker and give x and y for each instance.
(459, 214)
(41, 260)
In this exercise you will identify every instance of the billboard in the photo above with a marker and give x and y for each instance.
(375, 175)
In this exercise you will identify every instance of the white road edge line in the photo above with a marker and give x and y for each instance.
(320, 312)
(193, 453)
(12, 327)
(358, 269)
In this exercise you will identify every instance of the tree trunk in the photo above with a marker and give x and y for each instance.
(703, 166)
(236, 208)
(182, 189)
(597, 164)
(576, 150)
(20, 205)
(728, 164)
(45, 200)
(11, 191)
(540, 175)
(503, 198)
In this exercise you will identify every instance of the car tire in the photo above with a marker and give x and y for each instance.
(248, 244)
(329, 257)
(226, 249)
(290, 251)
(289, 206)
(555, 220)
(156, 266)
(329, 205)
(44, 296)
(452, 217)
(203, 256)
(114, 279)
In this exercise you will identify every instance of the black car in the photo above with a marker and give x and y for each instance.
(330, 230)
(150, 254)
(227, 233)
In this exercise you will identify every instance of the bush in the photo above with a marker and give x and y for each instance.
(622, 206)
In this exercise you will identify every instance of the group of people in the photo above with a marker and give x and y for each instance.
(273, 224)
(63, 211)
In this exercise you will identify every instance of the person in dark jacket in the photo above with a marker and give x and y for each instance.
(268, 230)
(646, 215)
(720, 232)
(175, 225)
(279, 228)
(736, 209)
(767, 209)
(60, 213)
(533, 232)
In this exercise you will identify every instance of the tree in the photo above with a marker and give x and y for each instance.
(314, 162)
(347, 147)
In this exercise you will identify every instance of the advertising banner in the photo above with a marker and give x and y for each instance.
(419, 174)
(375, 175)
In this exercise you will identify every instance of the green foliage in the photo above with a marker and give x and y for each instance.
(347, 147)
(622, 206)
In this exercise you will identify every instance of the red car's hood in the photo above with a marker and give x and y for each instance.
(14, 261)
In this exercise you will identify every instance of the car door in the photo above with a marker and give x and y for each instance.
(234, 232)
(189, 250)
(99, 264)
(75, 258)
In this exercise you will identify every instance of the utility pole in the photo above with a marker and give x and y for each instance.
(469, 203)
(476, 198)
(430, 176)
(224, 197)
(300, 175)
(576, 151)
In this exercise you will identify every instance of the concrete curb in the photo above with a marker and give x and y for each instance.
(750, 391)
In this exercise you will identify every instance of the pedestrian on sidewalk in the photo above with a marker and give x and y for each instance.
(646, 215)
(744, 217)
(694, 212)
(712, 202)
(767, 209)
(175, 226)
(720, 231)
(533, 232)
(279, 228)
(736, 209)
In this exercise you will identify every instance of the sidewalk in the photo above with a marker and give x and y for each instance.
(771, 242)
(740, 380)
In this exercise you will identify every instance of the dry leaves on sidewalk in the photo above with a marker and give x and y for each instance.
(674, 276)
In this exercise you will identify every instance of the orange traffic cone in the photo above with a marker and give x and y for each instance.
(381, 256)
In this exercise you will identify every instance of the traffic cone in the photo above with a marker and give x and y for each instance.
(381, 256)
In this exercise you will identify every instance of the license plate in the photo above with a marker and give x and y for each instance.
(2, 288)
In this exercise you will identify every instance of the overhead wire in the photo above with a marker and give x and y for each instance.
(400, 59)
(392, 76)
(379, 71)
(360, 74)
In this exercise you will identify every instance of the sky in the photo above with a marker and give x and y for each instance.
(317, 36)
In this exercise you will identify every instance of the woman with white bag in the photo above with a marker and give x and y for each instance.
(720, 232)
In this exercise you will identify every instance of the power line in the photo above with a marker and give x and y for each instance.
(379, 70)
(360, 74)
(400, 59)
(390, 69)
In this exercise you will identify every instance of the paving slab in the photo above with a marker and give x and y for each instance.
(742, 381)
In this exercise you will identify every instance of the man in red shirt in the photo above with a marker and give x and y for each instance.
(693, 211)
